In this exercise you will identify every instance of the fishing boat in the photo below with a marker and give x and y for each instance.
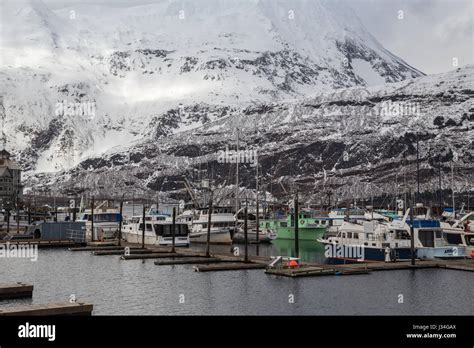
(310, 227)
(389, 242)
(221, 229)
(428, 235)
(106, 223)
(158, 230)
(265, 235)
(460, 233)
(365, 241)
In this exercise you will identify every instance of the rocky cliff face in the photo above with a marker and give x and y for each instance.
(354, 142)
(77, 82)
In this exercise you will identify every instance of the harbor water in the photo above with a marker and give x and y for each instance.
(138, 287)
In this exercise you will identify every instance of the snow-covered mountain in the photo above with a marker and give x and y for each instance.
(342, 139)
(79, 81)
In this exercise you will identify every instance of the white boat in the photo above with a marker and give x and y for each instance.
(265, 235)
(460, 233)
(106, 223)
(428, 235)
(364, 241)
(158, 231)
(187, 217)
(222, 226)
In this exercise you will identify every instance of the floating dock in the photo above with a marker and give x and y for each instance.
(131, 250)
(64, 308)
(17, 290)
(44, 243)
(228, 267)
(310, 269)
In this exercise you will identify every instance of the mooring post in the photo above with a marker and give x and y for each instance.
(17, 215)
(8, 220)
(209, 217)
(412, 232)
(246, 232)
(74, 211)
(143, 227)
(92, 219)
(297, 243)
(173, 231)
(29, 213)
(258, 228)
(121, 223)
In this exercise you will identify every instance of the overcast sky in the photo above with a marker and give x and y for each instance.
(429, 36)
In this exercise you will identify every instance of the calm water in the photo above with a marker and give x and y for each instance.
(120, 287)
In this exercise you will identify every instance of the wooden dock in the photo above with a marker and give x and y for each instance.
(133, 251)
(312, 269)
(64, 308)
(227, 266)
(100, 248)
(44, 243)
(18, 290)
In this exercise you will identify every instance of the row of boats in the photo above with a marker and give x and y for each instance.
(381, 234)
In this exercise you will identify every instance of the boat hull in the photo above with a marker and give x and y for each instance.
(217, 237)
(136, 238)
(303, 233)
(373, 254)
(451, 252)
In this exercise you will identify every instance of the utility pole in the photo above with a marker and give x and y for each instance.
(440, 185)
(209, 221)
(417, 169)
(452, 189)
(143, 226)
(237, 202)
(173, 231)
(412, 233)
(297, 246)
(258, 212)
(92, 219)
(121, 223)
(246, 233)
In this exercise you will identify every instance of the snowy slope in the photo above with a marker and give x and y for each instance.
(340, 139)
(144, 67)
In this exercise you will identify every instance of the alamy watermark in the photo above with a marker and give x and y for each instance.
(338, 251)
(238, 156)
(82, 108)
(13, 251)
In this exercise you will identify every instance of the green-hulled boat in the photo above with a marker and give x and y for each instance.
(309, 227)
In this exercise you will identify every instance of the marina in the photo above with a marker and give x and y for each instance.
(121, 287)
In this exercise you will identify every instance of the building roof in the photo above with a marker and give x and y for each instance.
(5, 161)
(4, 171)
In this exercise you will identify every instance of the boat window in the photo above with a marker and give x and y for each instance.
(356, 235)
(204, 225)
(426, 238)
(453, 238)
(349, 234)
(149, 227)
(370, 236)
(402, 234)
(469, 239)
(438, 234)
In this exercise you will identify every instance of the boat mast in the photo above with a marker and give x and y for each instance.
(440, 185)
(237, 175)
(417, 170)
(257, 208)
(452, 189)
